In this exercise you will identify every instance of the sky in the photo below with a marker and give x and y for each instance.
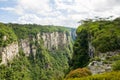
(56, 12)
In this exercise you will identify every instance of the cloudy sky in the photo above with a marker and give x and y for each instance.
(56, 12)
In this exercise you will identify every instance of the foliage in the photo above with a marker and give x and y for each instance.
(80, 57)
(25, 30)
(95, 59)
(18, 69)
(113, 58)
(7, 36)
(45, 65)
(78, 73)
(49, 65)
(116, 65)
(104, 76)
(104, 36)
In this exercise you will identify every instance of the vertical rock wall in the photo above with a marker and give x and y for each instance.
(8, 53)
(55, 40)
(51, 41)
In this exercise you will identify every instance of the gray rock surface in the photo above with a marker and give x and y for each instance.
(8, 52)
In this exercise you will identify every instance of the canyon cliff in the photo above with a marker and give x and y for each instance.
(47, 51)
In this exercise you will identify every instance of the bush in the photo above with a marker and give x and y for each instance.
(7, 35)
(78, 73)
(106, 62)
(97, 59)
(116, 65)
(105, 76)
(114, 58)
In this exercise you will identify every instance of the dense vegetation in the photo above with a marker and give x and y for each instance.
(80, 57)
(78, 73)
(104, 76)
(45, 65)
(104, 36)
(7, 36)
(25, 30)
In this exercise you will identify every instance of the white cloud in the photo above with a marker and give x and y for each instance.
(63, 12)
(34, 6)
(7, 8)
(29, 18)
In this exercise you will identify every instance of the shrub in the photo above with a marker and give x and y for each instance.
(114, 58)
(77, 73)
(105, 76)
(116, 65)
(106, 62)
(97, 59)
(7, 35)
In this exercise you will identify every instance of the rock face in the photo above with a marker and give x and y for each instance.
(55, 40)
(51, 41)
(25, 46)
(102, 65)
(97, 67)
(8, 53)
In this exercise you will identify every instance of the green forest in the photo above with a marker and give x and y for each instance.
(104, 35)
(45, 65)
(67, 62)
(59, 39)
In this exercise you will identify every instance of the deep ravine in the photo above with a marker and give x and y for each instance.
(35, 52)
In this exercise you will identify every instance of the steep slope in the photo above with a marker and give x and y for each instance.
(95, 38)
(37, 53)
(7, 52)
(97, 47)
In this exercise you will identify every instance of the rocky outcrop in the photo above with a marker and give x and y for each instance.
(9, 52)
(97, 67)
(51, 41)
(102, 64)
(25, 46)
(55, 40)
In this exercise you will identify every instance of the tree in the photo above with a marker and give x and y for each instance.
(80, 57)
